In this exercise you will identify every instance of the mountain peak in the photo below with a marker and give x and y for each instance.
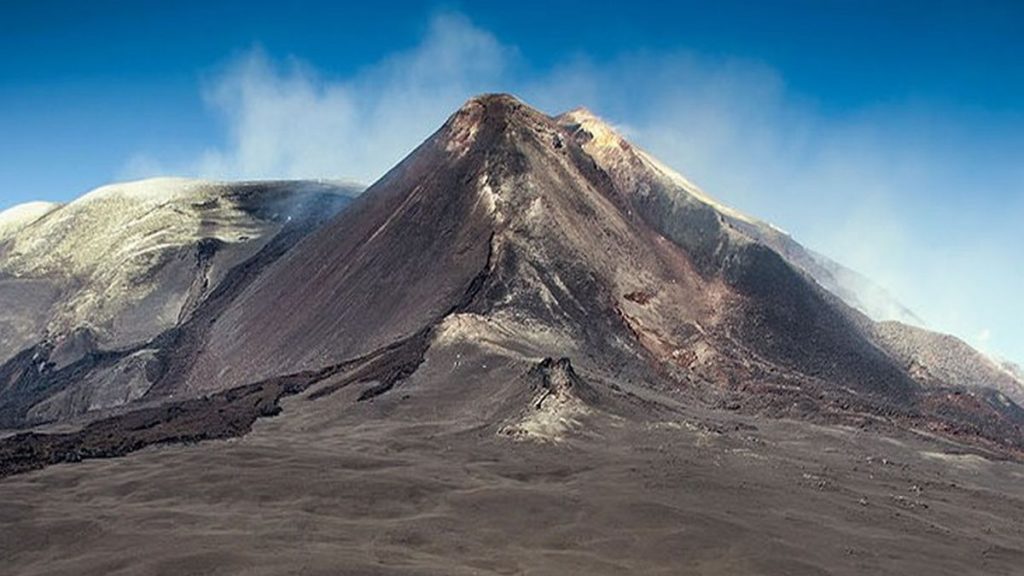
(493, 107)
(493, 99)
(489, 114)
(499, 112)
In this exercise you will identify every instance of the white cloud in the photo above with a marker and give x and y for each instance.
(284, 120)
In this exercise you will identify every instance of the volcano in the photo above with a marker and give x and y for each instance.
(536, 289)
(555, 238)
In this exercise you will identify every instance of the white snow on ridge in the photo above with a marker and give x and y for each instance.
(110, 226)
(106, 250)
(148, 190)
(17, 217)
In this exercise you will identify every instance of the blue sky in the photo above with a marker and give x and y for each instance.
(888, 135)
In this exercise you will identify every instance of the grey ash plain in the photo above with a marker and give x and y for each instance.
(397, 486)
(528, 349)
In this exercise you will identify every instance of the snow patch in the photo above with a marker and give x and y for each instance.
(489, 197)
(110, 245)
(17, 217)
(535, 212)
(150, 190)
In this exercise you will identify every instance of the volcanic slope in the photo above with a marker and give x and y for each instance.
(536, 237)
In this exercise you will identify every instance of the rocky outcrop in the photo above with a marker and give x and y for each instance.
(559, 400)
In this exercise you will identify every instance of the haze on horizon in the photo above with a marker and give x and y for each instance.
(893, 142)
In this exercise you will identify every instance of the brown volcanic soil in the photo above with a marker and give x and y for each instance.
(414, 482)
